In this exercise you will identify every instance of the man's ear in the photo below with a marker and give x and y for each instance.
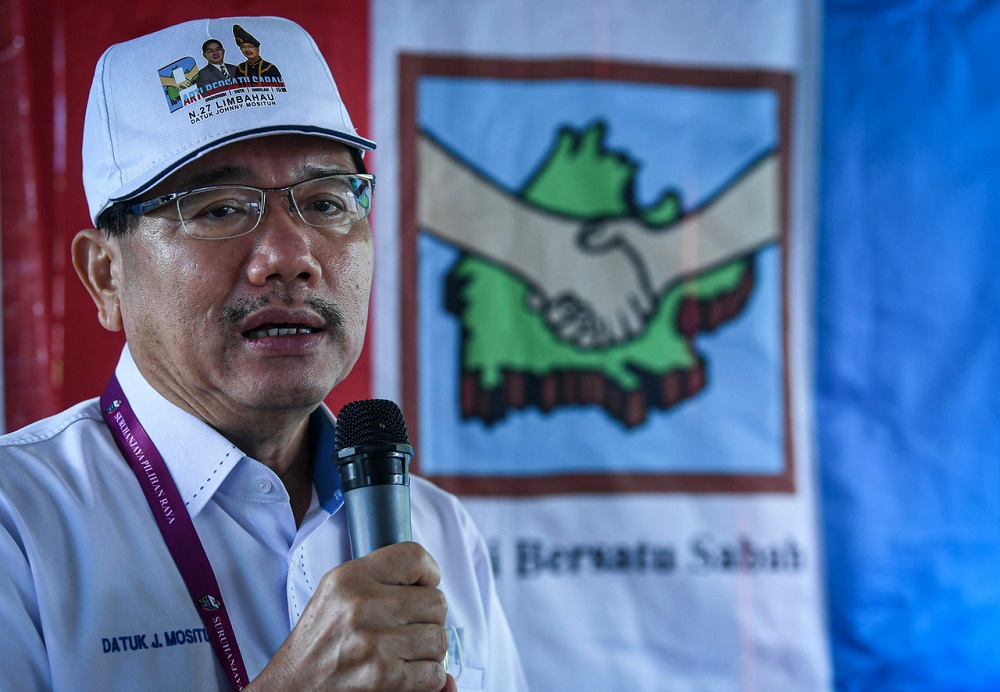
(95, 257)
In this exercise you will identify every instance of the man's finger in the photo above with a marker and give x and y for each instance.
(403, 564)
(420, 642)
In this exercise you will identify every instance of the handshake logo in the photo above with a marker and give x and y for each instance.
(570, 292)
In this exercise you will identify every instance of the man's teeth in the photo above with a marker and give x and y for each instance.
(278, 331)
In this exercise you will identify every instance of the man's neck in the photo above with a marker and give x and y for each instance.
(286, 450)
(277, 438)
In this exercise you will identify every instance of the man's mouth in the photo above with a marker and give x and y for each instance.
(282, 323)
(286, 330)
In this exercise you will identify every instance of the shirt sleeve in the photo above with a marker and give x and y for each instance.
(23, 659)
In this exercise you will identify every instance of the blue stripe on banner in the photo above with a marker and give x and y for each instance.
(908, 361)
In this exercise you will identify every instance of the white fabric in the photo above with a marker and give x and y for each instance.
(607, 588)
(90, 598)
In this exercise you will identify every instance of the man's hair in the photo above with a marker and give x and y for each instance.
(204, 46)
(117, 221)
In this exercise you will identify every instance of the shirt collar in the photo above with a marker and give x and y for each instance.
(326, 478)
(199, 458)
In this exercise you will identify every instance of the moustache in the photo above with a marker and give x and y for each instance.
(242, 308)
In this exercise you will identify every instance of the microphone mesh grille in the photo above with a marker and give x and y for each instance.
(370, 421)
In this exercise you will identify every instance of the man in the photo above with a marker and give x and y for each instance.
(188, 530)
(254, 68)
(217, 69)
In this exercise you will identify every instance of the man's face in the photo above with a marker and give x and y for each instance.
(215, 53)
(251, 51)
(196, 312)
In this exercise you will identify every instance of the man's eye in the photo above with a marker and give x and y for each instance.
(219, 211)
(325, 206)
(212, 206)
(216, 212)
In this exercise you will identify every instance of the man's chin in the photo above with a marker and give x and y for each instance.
(286, 393)
(288, 383)
(285, 402)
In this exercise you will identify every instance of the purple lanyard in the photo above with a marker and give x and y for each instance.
(177, 528)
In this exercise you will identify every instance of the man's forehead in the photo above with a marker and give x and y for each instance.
(264, 160)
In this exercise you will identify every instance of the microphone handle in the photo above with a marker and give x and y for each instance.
(377, 516)
(376, 483)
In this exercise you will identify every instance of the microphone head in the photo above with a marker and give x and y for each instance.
(370, 422)
(373, 459)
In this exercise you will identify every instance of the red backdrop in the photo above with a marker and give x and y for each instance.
(55, 352)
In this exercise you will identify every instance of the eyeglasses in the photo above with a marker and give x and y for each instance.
(218, 212)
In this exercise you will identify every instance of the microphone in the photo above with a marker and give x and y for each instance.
(373, 457)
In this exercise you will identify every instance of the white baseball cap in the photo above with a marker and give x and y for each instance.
(150, 113)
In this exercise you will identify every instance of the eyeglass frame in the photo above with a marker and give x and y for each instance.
(152, 204)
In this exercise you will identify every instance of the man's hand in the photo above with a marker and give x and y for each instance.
(599, 292)
(375, 623)
(621, 267)
(590, 286)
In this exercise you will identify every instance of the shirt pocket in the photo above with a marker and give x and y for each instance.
(467, 675)
(471, 678)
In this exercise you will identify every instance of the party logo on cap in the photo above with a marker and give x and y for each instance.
(219, 86)
(177, 78)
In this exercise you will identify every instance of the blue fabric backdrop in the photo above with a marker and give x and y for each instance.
(908, 359)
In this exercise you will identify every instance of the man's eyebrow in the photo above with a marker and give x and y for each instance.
(306, 171)
(216, 176)
(239, 175)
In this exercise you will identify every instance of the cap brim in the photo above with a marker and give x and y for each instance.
(170, 167)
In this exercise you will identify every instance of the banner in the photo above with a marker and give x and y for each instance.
(593, 243)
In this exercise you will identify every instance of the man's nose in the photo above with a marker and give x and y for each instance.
(283, 245)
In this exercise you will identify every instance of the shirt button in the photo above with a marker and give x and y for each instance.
(263, 485)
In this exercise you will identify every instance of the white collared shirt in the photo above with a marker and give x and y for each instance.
(90, 598)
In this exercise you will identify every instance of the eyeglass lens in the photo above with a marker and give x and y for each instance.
(228, 211)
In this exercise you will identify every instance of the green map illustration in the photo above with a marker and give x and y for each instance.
(505, 340)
